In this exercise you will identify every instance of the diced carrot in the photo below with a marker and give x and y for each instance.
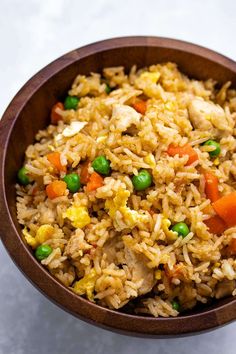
(140, 106)
(225, 207)
(216, 225)
(209, 210)
(56, 189)
(232, 247)
(54, 158)
(211, 187)
(182, 151)
(84, 174)
(55, 117)
(95, 181)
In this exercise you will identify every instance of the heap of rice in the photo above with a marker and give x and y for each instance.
(122, 256)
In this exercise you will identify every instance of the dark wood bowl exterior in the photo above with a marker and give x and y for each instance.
(29, 111)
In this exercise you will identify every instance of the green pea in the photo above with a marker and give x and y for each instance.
(181, 228)
(101, 165)
(107, 89)
(216, 151)
(142, 181)
(73, 182)
(71, 102)
(22, 176)
(42, 252)
(176, 305)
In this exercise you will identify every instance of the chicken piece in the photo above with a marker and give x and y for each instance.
(139, 271)
(225, 288)
(73, 129)
(122, 96)
(123, 117)
(208, 116)
(76, 245)
(110, 250)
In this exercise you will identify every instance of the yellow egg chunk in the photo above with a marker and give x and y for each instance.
(158, 274)
(44, 233)
(29, 238)
(150, 160)
(78, 215)
(150, 76)
(118, 206)
(147, 81)
(86, 285)
(171, 235)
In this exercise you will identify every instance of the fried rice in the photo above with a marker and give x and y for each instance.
(114, 244)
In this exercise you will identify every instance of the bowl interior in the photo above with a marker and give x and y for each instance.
(32, 106)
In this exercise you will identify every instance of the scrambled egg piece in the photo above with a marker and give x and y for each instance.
(29, 238)
(78, 215)
(171, 235)
(151, 77)
(147, 81)
(123, 117)
(51, 148)
(157, 274)
(73, 129)
(86, 285)
(43, 233)
(150, 160)
(118, 207)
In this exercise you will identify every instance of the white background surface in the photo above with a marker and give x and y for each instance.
(32, 34)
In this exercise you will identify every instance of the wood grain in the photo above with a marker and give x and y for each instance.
(29, 112)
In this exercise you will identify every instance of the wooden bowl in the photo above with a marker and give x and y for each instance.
(29, 111)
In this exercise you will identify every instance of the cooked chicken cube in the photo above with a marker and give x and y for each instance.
(124, 116)
(207, 116)
(225, 288)
(139, 270)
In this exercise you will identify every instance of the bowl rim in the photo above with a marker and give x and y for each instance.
(39, 276)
